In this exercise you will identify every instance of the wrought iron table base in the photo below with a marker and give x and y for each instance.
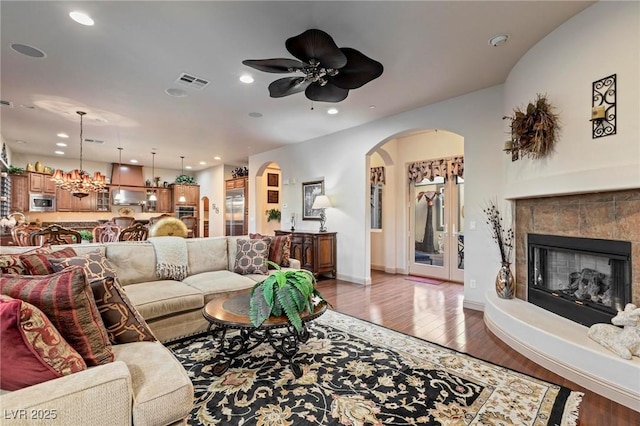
(285, 340)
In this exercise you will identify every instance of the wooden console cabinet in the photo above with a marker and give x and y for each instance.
(316, 251)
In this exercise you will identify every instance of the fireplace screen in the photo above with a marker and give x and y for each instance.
(568, 274)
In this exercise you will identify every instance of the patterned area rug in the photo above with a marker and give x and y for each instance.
(358, 373)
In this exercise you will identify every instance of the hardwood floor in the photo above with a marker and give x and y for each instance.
(435, 313)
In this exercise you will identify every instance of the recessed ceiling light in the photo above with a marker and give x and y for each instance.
(255, 114)
(188, 167)
(61, 144)
(81, 18)
(27, 50)
(246, 78)
(372, 107)
(59, 152)
(202, 163)
(176, 93)
(496, 41)
(20, 142)
(63, 135)
(216, 158)
(100, 120)
(332, 111)
(133, 161)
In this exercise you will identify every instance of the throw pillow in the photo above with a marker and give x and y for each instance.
(123, 321)
(66, 299)
(95, 264)
(11, 263)
(33, 351)
(279, 248)
(251, 257)
(38, 263)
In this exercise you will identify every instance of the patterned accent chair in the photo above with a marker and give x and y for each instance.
(137, 232)
(106, 233)
(54, 235)
(22, 232)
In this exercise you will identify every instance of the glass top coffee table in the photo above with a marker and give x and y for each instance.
(232, 313)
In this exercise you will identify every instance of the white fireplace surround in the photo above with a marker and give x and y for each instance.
(562, 346)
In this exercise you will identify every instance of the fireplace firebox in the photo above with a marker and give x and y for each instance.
(583, 279)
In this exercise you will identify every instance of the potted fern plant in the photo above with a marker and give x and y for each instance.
(289, 293)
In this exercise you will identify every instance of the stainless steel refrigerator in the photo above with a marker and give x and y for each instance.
(234, 212)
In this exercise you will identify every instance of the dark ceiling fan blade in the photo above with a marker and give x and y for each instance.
(276, 65)
(318, 45)
(326, 93)
(360, 70)
(287, 86)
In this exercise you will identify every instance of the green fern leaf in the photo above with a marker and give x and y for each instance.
(259, 310)
(290, 309)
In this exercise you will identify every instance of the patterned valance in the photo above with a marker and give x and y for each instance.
(445, 167)
(377, 175)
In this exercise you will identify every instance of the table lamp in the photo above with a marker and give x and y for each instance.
(322, 202)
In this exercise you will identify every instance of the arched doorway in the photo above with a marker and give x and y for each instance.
(268, 198)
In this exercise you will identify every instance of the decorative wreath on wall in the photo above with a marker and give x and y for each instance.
(533, 131)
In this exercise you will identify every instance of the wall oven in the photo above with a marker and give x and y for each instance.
(185, 211)
(42, 203)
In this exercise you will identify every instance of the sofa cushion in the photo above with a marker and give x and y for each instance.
(279, 248)
(39, 264)
(251, 257)
(66, 299)
(38, 352)
(156, 299)
(135, 262)
(207, 254)
(162, 391)
(217, 282)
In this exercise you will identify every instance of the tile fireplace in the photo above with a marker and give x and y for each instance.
(586, 280)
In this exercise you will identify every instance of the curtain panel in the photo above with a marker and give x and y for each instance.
(444, 167)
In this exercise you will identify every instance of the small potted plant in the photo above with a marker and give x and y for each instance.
(289, 293)
(86, 236)
(273, 214)
(185, 180)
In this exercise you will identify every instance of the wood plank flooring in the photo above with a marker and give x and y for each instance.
(435, 313)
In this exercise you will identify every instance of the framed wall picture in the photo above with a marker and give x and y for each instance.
(310, 190)
(272, 179)
(272, 197)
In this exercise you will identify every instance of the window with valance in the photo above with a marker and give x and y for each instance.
(445, 167)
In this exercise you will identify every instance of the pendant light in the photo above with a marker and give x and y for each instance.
(153, 197)
(118, 196)
(182, 198)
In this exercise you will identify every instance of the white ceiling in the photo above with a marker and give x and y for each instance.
(118, 70)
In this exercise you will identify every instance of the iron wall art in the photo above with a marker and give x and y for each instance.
(603, 107)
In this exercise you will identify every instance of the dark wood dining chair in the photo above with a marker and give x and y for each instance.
(106, 233)
(154, 219)
(54, 235)
(123, 221)
(137, 232)
(22, 232)
(192, 225)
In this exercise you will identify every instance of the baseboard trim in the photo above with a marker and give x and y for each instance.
(355, 280)
(476, 306)
(596, 384)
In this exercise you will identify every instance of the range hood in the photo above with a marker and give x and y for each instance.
(130, 197)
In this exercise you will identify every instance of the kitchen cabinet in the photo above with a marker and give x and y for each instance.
(103, 201)
(164, 204)
(20, 193)
(66, 202)
(191, 194)
(316, 251)
(41, 183)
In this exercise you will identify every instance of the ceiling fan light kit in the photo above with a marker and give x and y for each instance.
(329, 71)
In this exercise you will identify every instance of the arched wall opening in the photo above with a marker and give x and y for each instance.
(388, 248)
(268, 199)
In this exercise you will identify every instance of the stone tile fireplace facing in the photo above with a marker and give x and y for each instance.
(613, 215)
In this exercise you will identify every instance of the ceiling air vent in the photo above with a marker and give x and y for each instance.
(192, 81)
(6, 103)
(96, 141)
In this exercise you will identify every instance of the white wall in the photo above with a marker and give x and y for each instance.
(602, 40)
(341, 160)
(212, 185)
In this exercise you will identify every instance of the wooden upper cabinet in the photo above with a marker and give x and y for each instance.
(20, 193)
(64, 201)
(191, 194)
(41, 183)
(164, 204)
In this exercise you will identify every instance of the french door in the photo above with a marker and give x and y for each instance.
(436, 228)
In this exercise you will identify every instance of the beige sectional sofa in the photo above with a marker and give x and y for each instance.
(145, 385)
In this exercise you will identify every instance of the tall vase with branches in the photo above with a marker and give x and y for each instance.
(503, 235)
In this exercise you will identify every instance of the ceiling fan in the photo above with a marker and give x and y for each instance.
(329, 71)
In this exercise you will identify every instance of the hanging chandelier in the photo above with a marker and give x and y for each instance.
(79, 182)
(182, 198)
(152, 196)
(118, 196)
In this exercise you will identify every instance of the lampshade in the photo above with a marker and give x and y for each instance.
(321, 202)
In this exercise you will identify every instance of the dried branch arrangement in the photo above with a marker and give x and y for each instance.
(503, 236)
(534, 131)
